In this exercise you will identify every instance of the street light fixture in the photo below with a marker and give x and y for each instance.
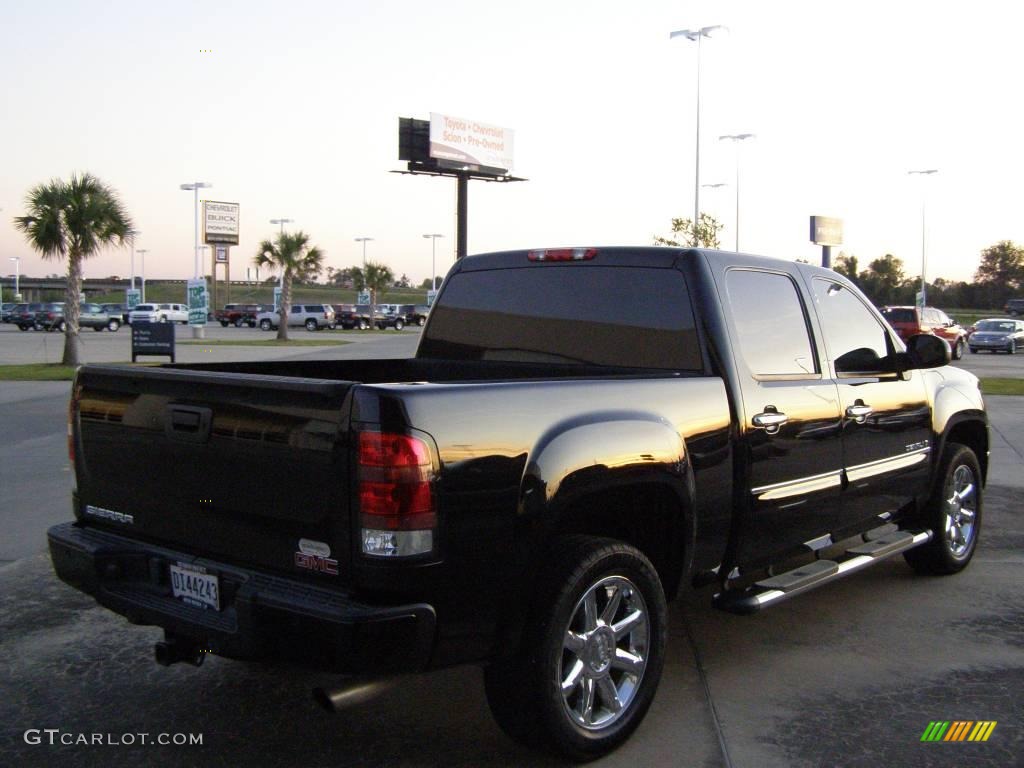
(696, 35)
(198, 331)
(736, 138)
(924, 258)
(433, 254)
(142, 252)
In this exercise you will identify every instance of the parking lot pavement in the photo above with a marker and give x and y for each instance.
(849, 675)
(24, 347)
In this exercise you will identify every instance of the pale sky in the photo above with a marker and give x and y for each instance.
(294, 113)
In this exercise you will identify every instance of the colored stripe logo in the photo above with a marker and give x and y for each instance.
(959, 730)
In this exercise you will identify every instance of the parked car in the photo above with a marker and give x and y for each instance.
(313, 317)
(415, 314)
(352, 316)
(997, 334)
(384, 316)
(529, 490)
(239, 314)
(910, 321)
(51, 317)
(6, 310)
(1014, 307)
(24, 315)
(159, 313)
(120, 311)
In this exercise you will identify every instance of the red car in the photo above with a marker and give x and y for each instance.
(910, 321)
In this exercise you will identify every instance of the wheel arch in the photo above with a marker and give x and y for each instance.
(625, 475)
(970, 429)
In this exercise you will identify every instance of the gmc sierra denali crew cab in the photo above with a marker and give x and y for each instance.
(529, 490)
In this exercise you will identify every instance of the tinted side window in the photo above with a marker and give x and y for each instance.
(632, 317)
(855, 340)
(771, 324)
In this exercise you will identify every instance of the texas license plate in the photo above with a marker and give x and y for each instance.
(195, 586)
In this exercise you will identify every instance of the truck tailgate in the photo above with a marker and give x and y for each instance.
(238, 467)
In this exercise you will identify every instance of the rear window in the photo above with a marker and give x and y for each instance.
(899, 315)
(635, 317)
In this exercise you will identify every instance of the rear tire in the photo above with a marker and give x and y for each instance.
(113, 325)
(591, 654)
(953, 513)
(265, 325)
(399, 325)
(311, 325)
(239, 322)
(958, 349)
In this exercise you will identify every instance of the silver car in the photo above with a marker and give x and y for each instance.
(312, 317)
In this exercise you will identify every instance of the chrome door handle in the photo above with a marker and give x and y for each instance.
(770, 420)
(859, 412)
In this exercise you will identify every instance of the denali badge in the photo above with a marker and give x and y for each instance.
(315, 556)
(109, 514)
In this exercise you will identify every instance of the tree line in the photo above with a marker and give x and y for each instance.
(999, 276)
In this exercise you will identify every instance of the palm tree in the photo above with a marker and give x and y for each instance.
(292, 254)
(73, 220)
(377, 277)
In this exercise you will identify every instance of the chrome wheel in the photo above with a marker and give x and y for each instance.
(961, 511)
(604, 653)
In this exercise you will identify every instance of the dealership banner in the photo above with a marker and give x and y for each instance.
(458, 140)
(220, 222)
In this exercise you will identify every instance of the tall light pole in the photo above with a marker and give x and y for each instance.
(924, 257)
(696, 35)
(132, 234)
(364, 241)
(17, 277)
(433, 259)
(198, 331)
(142, 252)
(281, 222)
(736, 138)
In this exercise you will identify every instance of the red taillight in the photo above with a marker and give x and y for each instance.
(396, 496)
(563, 254)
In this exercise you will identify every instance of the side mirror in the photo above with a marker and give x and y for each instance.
(925, 351)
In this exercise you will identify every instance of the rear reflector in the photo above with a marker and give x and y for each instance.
(396, 496)
(563, 254)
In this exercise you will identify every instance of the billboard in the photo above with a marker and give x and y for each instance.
(826, 231)
(460, 141)
(220, 222)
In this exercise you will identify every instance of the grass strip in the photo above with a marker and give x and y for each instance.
(993, 386)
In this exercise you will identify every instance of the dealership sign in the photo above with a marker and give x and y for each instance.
(826, 230)
(220, 222)
(467, 142)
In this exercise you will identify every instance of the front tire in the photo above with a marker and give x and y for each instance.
(113, 325)
(311, 325)
(953, 513)
(591, 655)
(958, 349)
(399, 325)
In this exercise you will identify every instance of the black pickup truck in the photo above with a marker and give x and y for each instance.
(581, 434)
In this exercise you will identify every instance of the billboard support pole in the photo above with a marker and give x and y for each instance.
(462, 217)
(826, 256)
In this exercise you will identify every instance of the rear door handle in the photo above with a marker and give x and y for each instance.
(770, 420)
(859, 412)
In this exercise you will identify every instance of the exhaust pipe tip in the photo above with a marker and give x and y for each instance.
(350, 694)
